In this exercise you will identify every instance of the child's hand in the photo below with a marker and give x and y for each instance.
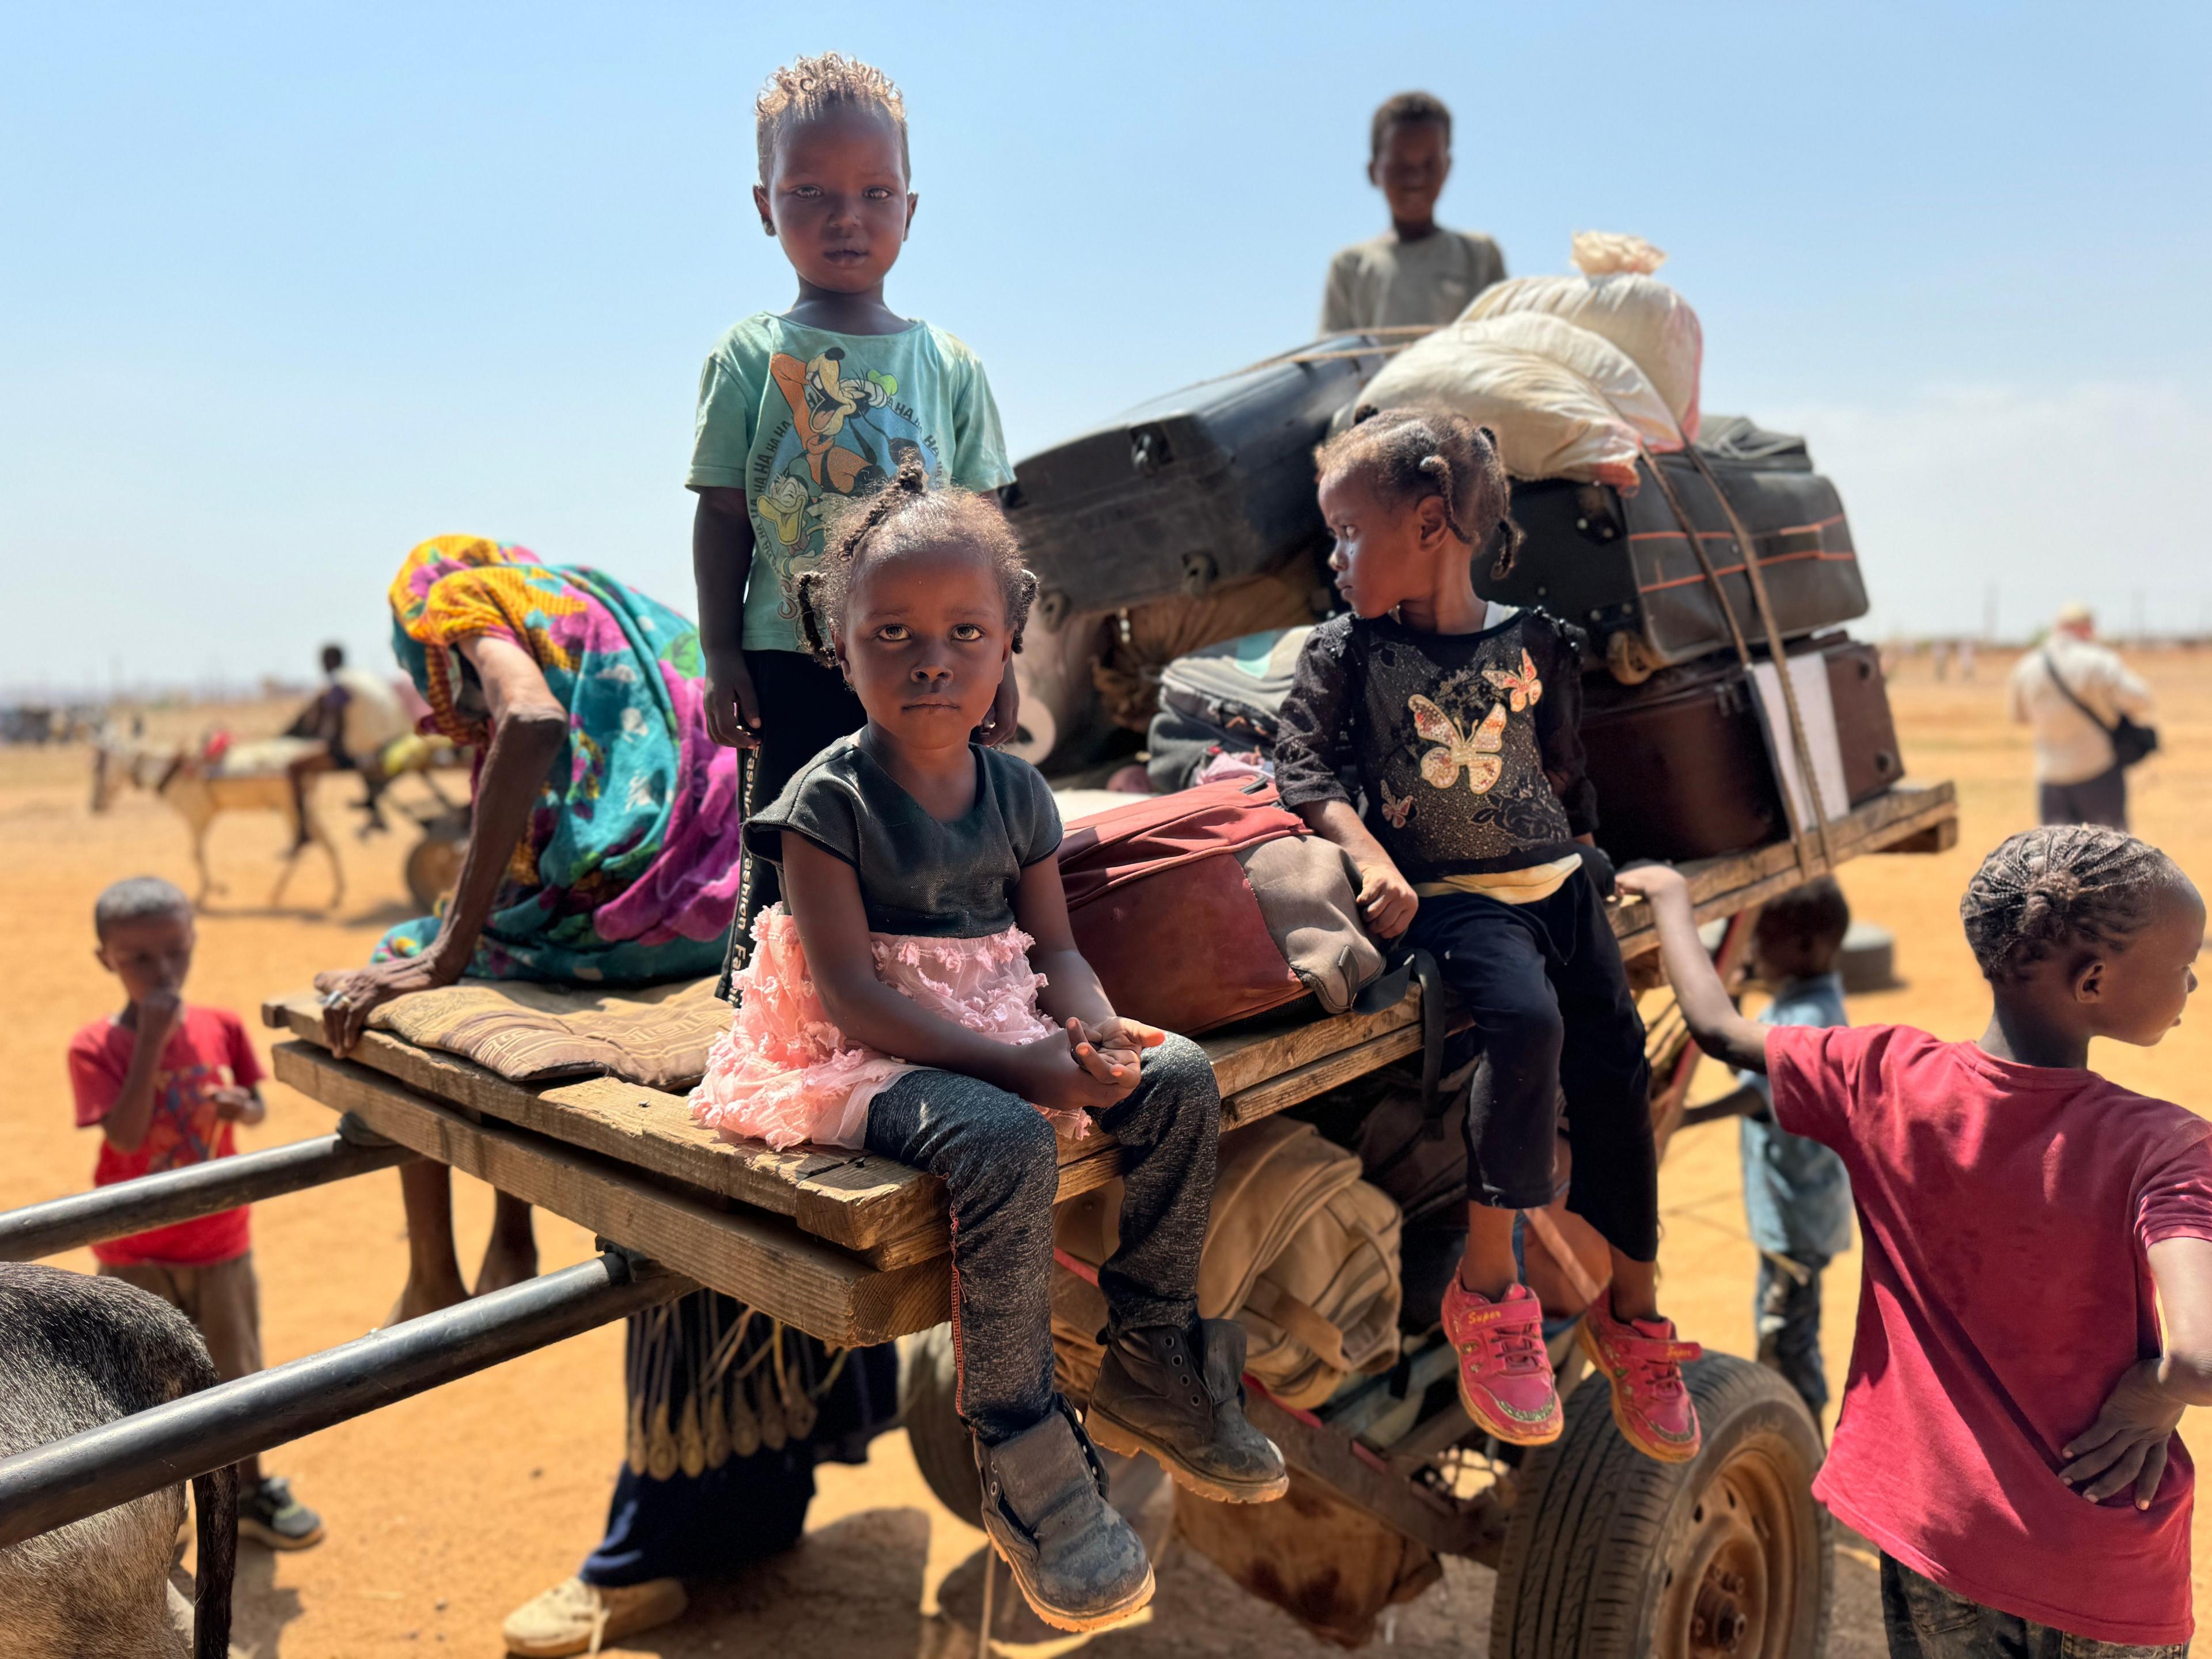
(1653, 883)
(1387, 899)
(732, 706)
(1052, 1075)
(1112, 1048)
(159, 1012)
(2127, 1443)
(236, 1105)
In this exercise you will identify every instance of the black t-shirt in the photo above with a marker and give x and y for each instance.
(1467, 746)
(918, 874)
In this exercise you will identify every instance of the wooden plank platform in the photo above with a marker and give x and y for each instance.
(890, 1215)
(890, 1218)
(761, 1260)
(1925, 814)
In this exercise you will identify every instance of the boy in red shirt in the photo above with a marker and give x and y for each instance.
(166, 1084)
(2036, 1304)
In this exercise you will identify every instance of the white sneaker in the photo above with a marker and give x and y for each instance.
(580, 1618)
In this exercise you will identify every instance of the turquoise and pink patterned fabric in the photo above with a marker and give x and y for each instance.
(627, 872)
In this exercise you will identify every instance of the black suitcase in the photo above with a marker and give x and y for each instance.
(1206, 485)
(1680, 762)
(1623, 568)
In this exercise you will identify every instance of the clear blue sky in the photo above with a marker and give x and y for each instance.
(288, 289)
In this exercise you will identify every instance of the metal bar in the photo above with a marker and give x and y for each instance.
(198, 1189)
(52, 1485)
(1363, 1480)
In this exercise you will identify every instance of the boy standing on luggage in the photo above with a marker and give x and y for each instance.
(1416, 272)
(1796, 1197)
(167, 1083)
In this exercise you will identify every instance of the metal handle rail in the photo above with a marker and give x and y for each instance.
(198, 1189)
(52, 1485)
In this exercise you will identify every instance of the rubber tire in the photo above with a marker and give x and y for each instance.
(943, 1450)
(1582, 1572)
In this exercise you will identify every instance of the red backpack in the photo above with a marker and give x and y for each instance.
(1211, 905)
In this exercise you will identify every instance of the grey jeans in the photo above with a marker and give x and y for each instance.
(1000, 1165)
(2101, 799)
(1924, 1620)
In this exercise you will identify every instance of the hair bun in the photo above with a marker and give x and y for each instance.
(1435, 464)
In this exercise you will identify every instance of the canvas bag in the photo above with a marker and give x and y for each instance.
(1301, 1250)
(1213, 905)
(1562, 401)
(1616, 296)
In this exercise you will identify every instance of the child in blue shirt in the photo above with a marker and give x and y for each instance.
(1796, 1197)
(804, 411)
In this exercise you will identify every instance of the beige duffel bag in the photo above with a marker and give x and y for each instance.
(1301, 1250)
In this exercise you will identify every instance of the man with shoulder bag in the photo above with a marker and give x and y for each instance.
(2090, 717)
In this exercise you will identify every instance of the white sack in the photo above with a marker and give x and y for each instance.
(1562, 402)
(1616, 297)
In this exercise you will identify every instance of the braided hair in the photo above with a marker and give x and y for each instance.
(906, 512)
(2062, 885)
(1409, 453)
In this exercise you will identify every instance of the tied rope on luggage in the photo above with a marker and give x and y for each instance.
(1752, 574)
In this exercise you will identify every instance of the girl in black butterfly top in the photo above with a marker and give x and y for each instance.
(1458, 718)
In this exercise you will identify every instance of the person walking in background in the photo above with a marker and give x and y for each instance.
(1416, 271)
(2082, 701)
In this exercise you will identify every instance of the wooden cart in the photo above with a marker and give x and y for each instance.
(1599, 1551)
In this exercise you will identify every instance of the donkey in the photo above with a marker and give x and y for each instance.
(77, 1353)
(251, 777)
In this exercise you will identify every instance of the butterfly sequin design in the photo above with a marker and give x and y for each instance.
(1479, 754)
(1396, 808)
(1524, 690)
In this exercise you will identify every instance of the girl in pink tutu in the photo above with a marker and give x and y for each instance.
(918, 993)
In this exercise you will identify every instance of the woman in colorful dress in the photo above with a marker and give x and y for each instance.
(604, 849)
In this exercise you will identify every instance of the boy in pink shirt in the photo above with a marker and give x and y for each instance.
(168, 1084)
(2037, 1305)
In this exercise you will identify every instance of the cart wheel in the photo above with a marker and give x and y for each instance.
(434, 864)
(1610, 1555)
(941, 1447)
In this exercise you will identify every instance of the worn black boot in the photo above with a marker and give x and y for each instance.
(1178, 1396)
(1079, 1565)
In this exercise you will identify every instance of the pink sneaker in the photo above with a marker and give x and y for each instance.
(1644, 1362)
(1505, 1375)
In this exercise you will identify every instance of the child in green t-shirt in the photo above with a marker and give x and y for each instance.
(803, 412)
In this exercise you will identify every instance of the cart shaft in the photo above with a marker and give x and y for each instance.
(52, 1485)
(186, 1194)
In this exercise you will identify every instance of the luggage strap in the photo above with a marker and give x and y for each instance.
(1757, 579)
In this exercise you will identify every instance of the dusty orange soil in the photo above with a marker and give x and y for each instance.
(445, 1511)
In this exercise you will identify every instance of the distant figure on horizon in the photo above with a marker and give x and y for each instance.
(2073, 692)
(1417, 271)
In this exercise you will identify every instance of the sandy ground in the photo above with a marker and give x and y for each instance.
(445, 1511)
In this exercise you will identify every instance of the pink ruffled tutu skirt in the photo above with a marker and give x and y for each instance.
(783, 1072)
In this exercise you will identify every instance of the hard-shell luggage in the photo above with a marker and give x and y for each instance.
(1624, 569)
(1204, 485)
(1225, 699)
(1681, 763)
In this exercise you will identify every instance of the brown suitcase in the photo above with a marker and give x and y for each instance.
(1872, 760)
(1680, 762)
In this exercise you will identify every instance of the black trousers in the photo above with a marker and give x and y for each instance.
(1544, 985)
(804, 709)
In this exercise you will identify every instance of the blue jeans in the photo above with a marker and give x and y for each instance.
(1924, 1620)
